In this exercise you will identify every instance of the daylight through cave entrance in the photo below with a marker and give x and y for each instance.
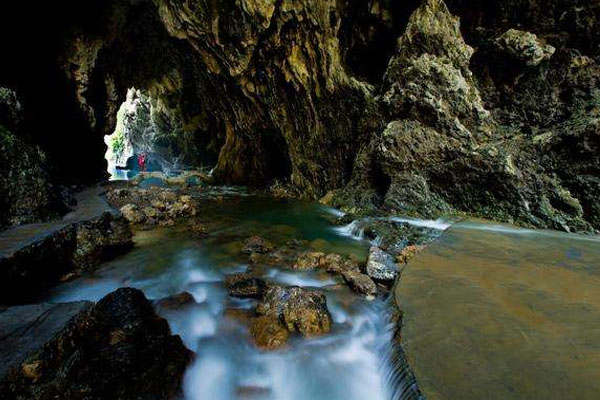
(149, 137)
(144, 139)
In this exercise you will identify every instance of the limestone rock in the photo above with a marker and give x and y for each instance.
(395, 236)
(245, 285)
(360, 283)
(26, 192)
(267, 333)
(64, 252)
(525, 47)
(132, 213)
(118, 348)
(381, 265)
(309, 260)
(256, 244)
(97, 239)
(300, 310)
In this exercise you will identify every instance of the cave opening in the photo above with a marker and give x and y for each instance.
(150, 137)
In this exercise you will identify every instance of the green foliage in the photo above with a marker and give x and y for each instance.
(117, 140)
(6, 137)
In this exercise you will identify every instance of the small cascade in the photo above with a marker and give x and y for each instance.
(399, 378)
(387, 231)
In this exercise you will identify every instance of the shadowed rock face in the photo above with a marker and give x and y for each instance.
(441, 150)
(118, 349)
(478, 116)
(34, 261)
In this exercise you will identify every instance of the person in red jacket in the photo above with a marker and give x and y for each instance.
(142, 161)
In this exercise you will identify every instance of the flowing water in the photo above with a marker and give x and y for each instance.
(489, 311)
(350, 363)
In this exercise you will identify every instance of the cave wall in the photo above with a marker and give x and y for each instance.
(304, 92)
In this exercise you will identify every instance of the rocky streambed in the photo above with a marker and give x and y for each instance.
(233, 294)
(277, 298)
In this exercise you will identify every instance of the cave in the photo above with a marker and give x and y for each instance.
(299, 199)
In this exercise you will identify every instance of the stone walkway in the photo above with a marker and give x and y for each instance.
(90, 205)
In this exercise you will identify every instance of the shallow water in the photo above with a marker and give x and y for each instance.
(350, 363)
(497, 312)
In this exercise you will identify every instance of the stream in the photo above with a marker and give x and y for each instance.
(350, 363)
(480, 303)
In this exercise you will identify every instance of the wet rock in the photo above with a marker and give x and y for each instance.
(29, 270)
(159, 205)
(309, 260)
(150, 213)
(186, 199)
(256, 244)
(167, 196)
(332, 263)
(336, 264)
(407, 253)
(393, 236)
(132, 213)
(245, 285)
(100, 239)
(180, 209)
(360, 283)
(176, 302)
(525, 47)
(381, 266)
(116, 349)
(298, 309)
(153, 207)
(267, 333)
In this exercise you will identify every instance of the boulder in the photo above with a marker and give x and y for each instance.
(524, 47)
(298, 309)
(35, 265)
(393, 237)
(309, 260)
(99, 239)
(132, 213)
(245, 285)
(150, 212)
(360, 283)
(267, 333)
(256, 244)
(381, 266)
(116, 349)
(336, 264)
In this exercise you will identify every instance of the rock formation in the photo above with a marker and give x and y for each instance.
(494, 115)
(60, 253)
(118, 349)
